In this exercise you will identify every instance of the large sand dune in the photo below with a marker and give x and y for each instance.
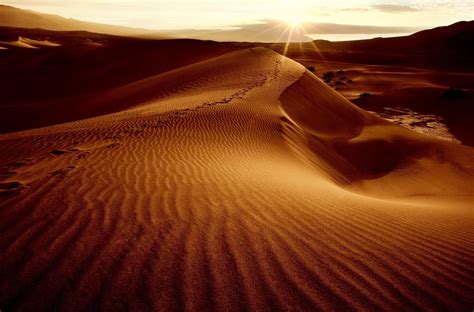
(412, 97)
(246, 184)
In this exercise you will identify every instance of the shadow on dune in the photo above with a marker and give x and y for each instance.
(349, 144)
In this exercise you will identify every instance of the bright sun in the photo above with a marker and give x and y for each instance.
(291, 12)
(293, 22)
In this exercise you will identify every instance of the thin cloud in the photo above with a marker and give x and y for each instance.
(394, 8)
(354, 10)
(276, 31)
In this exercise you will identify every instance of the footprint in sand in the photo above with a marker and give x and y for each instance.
(79, 153)
(114, 145)
(6, 174)
(62, 172)
(10, 169)
(8, 188)
(18, 164)
(82, 155)
(58, 152)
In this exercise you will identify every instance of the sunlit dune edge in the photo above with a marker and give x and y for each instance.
(27, 43)
(247, 184)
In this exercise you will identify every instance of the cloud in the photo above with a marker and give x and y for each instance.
(351, 10)
(276, 31)
(393, 8)
(328, 28)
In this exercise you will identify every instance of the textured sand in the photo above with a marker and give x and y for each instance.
(408, 96)
(250, 185)
(27, 43)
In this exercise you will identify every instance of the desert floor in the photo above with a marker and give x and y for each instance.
(248, 184)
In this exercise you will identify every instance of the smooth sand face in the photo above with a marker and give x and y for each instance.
(411, 97)
(252, 185)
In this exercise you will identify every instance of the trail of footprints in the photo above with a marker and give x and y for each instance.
(10, 170)
(261, 80)
(10, 187)
(27, 165)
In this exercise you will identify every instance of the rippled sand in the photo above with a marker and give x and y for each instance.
(250, 185)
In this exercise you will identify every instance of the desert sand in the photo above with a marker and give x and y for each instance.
(251, 184)
(27, 43)
(412, 97)
(56, 84)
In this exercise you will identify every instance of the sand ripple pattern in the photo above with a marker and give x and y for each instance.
(209, 207)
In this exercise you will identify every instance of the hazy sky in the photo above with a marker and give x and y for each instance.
(178, 14)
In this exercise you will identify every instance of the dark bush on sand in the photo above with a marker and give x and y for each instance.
(327, 77)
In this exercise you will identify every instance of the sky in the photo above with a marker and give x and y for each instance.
(212, 14)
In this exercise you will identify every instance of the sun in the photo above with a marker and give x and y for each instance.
(294, 22)
(291, 12)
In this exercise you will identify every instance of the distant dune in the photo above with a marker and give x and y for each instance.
(458, 36)
(24, 42)
(413, 97)
(447, 48)
(14, 17)
(71, 81)
(248, 184)
(416, 70)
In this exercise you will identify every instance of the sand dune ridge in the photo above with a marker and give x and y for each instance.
(245, 187)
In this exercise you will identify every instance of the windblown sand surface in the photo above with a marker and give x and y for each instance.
(27, 43)
(411, 97)
(250, 185)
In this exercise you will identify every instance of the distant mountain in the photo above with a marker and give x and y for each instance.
(447, 48)
(455, 37)
(278, 31)
(14, 17)
(270, 31)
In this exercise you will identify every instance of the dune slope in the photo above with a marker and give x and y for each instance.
(27, 43)
(248, 185)
(49, 85)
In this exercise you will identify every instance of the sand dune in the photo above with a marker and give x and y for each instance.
(240, 182)
(19, 44)
(27, 43)
(38, 43)
(84, 68)
(411, 97)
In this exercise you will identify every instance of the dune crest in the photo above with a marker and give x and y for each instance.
(361, 150)
(38, 43)
(27, 43)
(241, 182)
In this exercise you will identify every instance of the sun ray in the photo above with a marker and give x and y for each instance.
(311, 42)
(316, 49)
(282, 35)
(269, 29)
(290, 34)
